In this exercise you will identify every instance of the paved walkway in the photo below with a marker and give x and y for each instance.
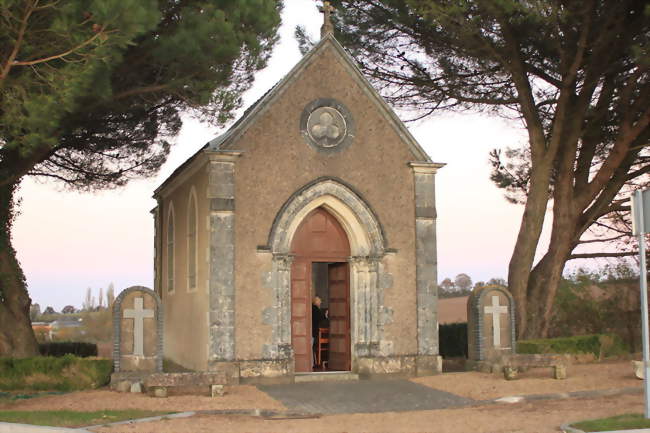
(367, 396)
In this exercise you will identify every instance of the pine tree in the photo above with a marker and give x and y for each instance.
(575, 73)
(91, 94)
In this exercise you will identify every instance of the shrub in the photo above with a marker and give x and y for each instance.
(65, 373)
(599, 302)
(98, 326)
(62, 348)
(453, 340)
(601, 345)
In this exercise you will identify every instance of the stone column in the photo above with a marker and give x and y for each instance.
(368, 312)
(427, 361)
(221, 195)
(279, 314)
(157, 248)
(364, 305)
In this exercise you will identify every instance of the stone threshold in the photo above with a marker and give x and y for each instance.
(325, 376)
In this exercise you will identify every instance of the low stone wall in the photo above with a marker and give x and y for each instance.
(266, 371)
(164, 384)
(404, 366)
(510, 365)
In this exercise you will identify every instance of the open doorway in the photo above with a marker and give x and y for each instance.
(330, 282)
(320, 268)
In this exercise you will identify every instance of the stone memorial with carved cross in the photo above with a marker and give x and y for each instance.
(137, 332)
(490, 324)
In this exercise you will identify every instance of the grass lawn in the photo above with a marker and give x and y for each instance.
(70, 418)
(622, 422)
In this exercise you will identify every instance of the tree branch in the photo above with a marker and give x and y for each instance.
(517, 69)
(605, 226)
(141, 90)
(65, 53)
(591, 241)
(19, 40)
(597, 255)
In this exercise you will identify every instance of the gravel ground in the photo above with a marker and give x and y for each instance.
(528, 417)
(581, 377)
(239, 397)
(535, 417)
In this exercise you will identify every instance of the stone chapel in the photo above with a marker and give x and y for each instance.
(319, 189)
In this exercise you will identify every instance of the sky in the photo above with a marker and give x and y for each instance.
(69, 241)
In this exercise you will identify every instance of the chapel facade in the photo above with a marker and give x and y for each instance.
(318, 189)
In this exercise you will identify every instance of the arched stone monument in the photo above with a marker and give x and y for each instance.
(137, 331)
(490, 324)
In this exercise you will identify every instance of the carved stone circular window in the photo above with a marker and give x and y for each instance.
(327, 125)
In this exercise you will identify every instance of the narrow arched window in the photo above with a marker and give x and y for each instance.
(170, 249)
(191, 242)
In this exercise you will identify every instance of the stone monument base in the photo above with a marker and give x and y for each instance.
(164, 384)
(511, 364)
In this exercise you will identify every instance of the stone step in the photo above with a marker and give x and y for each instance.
(326, 376)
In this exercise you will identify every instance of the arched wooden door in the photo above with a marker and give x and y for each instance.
(320, 238)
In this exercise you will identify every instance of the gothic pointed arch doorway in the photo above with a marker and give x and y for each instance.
(321, 252)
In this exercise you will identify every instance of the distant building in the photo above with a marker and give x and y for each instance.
(46, 331)
(42, 330)
(66, 322)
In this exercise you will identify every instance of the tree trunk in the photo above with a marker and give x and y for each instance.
(545, 277)
(16, 335)
(523, 255)
(542, 287)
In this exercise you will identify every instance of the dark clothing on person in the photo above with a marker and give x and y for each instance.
(317, 320)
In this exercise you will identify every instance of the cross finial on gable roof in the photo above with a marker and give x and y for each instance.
(326, 10)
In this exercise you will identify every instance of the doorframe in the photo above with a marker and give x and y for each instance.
(367, 274)
(319, 259)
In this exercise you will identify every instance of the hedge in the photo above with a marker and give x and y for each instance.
(601, 345)
(453, 340)
(45, 373)
(62, 348)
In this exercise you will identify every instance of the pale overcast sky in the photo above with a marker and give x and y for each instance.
(68, 241)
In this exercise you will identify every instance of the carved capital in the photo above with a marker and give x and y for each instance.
(367, 263)
(283, 261)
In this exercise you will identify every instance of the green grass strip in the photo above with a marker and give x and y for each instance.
(628, 421)
(70, 418)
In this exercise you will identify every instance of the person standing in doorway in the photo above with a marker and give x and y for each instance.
(317, 317)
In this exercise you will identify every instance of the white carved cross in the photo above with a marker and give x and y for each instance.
(138, 314)
(496, 310)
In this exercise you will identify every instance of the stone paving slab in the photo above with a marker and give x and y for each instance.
(370, 396)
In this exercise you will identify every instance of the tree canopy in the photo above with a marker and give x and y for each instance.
(573, 72)
(92, 91)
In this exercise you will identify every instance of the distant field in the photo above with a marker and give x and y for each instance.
(452, 310)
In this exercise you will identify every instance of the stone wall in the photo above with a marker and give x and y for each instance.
(374, 164)
(186, 309)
